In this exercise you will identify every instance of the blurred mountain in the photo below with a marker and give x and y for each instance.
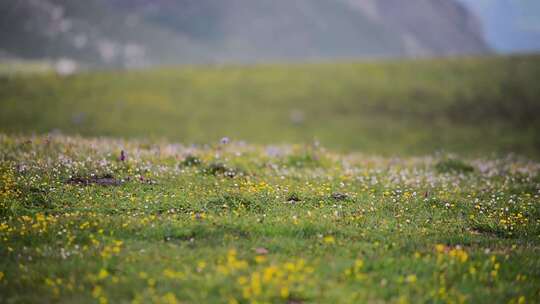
(509, 25)
(144, 32)
(91, 32)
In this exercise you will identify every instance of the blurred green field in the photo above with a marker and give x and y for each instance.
(472, 106)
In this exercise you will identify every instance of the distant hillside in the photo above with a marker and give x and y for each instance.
(143, 32)
(91, 32)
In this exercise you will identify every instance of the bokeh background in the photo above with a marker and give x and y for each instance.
(379, 76)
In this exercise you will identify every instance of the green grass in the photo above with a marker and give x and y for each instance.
(410, 196)
(291, 224)
(471, 106)
(27, 67)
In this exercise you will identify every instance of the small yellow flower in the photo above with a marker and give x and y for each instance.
(103, 273)
(169, 298)
(284, 292)
(201, 265)
(440, 248)
(329, 239)
(97, 291)
(260, 259)
(411, 279)
(242, 280)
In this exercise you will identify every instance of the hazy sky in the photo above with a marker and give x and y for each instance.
(509, 25)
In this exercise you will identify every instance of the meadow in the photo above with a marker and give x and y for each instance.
(374, 182)
(388, 108)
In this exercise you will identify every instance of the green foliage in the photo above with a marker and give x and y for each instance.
(191, 161)
(303, 160)
(453, 165)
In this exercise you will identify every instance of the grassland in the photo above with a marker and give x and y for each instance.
(386, 108)
(378, 211)
(240, 223)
